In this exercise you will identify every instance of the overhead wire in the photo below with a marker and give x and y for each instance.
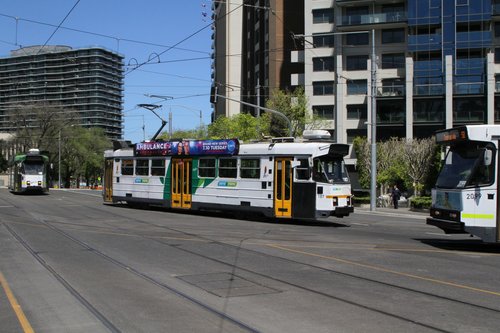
(57, 28)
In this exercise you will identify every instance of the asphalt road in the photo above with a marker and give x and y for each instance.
(68, 263)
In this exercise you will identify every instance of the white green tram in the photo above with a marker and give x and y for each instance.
(303, 180)
(465, 198)
(28, 172)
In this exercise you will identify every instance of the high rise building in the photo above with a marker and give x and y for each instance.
(252, 41)
(433, 64)
(86, 81)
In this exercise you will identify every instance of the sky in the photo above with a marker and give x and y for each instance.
(170, 40)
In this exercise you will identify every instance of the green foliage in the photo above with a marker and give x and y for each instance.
(421, 202)
(198, 133)
(294, 106)
(361, 200)
(242, 126)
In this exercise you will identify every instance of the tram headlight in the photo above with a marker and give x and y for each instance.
(28, 183)
(39, 183)
(335, 201)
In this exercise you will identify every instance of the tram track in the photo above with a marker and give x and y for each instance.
(92, 309)
(233, 266)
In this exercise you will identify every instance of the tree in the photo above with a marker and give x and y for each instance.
(418, 157)
(293, 106)
(242, 126)
(201, 132)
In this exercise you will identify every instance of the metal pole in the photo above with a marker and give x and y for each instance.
(170, 123)
(373, 182)
(59, 165)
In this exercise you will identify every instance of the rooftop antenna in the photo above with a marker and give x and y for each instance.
(152, 108)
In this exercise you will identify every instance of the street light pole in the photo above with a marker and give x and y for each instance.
(373, 124)
(59, 162)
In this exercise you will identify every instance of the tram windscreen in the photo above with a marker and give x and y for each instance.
(33, 168)
(466, 166)
(330, 170)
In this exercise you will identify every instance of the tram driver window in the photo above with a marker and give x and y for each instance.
(127, 167)
(484, 172)
(206, 168)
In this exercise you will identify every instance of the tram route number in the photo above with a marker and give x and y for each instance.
(473, 196)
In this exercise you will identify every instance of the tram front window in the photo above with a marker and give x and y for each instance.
(33, 169)
(329, 170)
(466, 166)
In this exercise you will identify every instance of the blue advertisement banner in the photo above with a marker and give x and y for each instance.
(187, 147)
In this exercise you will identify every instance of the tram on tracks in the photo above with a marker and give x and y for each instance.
(29, 173)
(280, 179)
(465, 198)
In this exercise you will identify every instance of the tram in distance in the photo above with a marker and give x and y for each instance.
(29, 173)
(279, 179)
(465, 198)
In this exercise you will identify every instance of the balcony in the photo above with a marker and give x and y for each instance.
(470, 88)
(391, 91)
(473, 39)
(428, 89)
(418, 43)
(393, 17)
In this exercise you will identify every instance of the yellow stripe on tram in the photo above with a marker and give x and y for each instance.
(478, 216)
(15, 306)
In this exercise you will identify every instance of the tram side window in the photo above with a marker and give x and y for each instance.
(302, 171)
(250, 168)
(142, 167)
(206, 168)
(127, 167)
(228, 168)
(157, 167)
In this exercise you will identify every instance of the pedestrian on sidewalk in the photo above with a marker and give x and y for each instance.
(396, 195)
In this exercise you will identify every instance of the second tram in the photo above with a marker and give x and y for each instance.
(29, 173)
(465, 198)
(303, 180)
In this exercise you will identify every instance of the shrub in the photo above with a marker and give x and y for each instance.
(421, 202)
(361, 200)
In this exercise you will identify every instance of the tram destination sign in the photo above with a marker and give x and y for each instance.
(187, 147)
(451, 135)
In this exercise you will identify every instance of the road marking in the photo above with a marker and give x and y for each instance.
(6, 206)
(385, 270)
(15, 306)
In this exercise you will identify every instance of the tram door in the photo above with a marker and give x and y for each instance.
(108, 180)
(181, 183)
(283, 187)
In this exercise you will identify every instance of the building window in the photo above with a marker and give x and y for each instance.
(206, 168)
(497, 56)
(323, 88)
(228, 168)
(323, 64)
(393, 60)
(497, 29)
(324, 111)
(357, 87)
(356, 39)
(393, 36)
(357, 111)
(250, 168)
(354, 133)
(356, 63)
(157, 167)
(127, 167)
(323, 40)
(324, 15)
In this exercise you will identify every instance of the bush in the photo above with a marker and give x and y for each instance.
(361, 200)
(421, 202)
